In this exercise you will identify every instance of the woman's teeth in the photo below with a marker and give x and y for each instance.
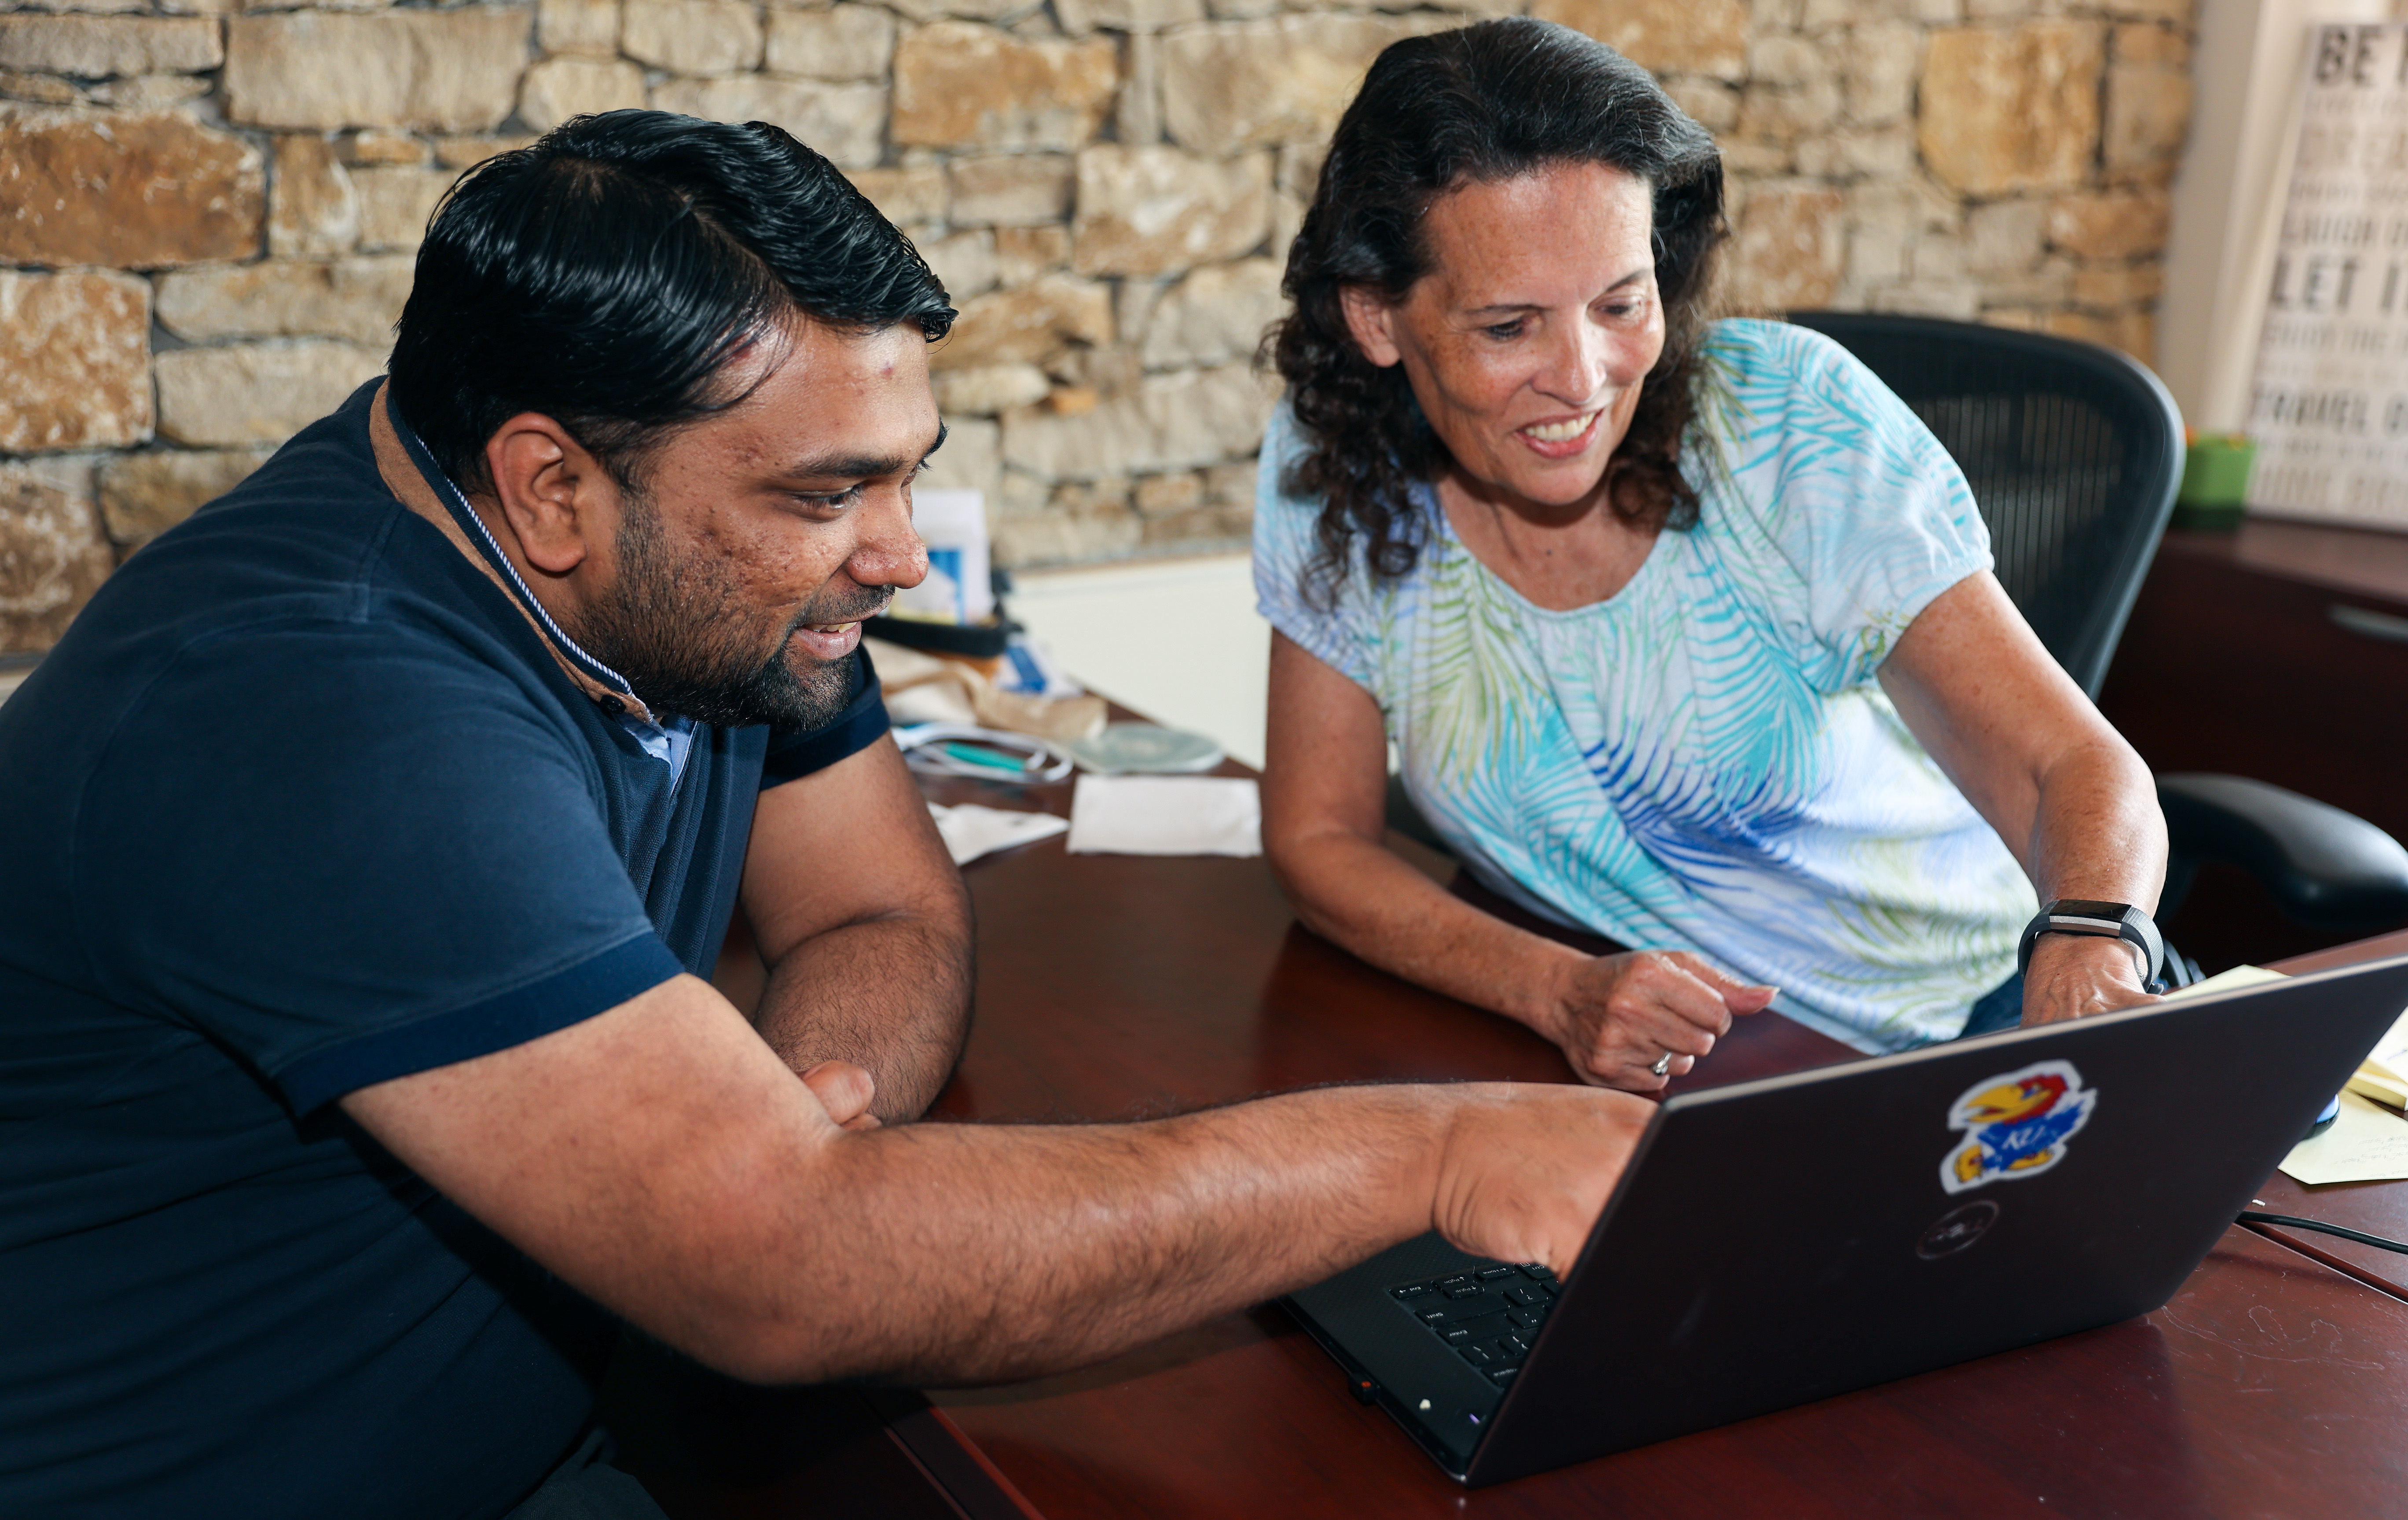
(1561, 432)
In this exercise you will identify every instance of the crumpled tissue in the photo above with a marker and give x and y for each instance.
(970, 830)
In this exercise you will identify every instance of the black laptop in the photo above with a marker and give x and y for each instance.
(1782, 1240)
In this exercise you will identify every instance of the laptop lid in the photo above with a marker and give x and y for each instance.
(1782, 1240)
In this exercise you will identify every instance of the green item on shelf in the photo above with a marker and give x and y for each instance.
(2216, 482)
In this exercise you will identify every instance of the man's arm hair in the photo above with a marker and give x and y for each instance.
(660, 1158)
(863, 926)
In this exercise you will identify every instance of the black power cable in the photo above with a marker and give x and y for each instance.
(2251, 1217)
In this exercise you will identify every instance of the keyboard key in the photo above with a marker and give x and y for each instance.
(1502, 1375)
(1524, 1319)
(1432, 1316)
(1513, 1346)
(1411, 1290)
(1467, 1290)
(1477, 1355)
(1523, 1296)
(1454, 1335)
(1493, 1273)
(1536, 1271)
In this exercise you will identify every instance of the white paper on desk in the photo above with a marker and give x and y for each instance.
(2238, 977)
(1166, 815)
(970, 830)
(2368, 1143)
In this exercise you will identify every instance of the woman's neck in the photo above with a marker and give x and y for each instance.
(1557, 557)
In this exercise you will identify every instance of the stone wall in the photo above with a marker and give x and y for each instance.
(208, 208)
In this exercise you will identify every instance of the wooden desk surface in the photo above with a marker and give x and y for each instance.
(1119, 987)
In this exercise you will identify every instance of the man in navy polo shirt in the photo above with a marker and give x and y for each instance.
(366, 846)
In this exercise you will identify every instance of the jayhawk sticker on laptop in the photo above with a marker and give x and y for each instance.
(2017, 1124)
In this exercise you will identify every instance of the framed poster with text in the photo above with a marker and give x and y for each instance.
(2330, 404)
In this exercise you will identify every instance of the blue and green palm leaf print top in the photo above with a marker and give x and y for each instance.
(1706, 761)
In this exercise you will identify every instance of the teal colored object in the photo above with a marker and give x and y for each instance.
(2216, 482)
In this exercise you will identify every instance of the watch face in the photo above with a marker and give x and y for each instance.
(2083, 908)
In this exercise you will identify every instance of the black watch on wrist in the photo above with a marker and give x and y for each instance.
(2105, 920)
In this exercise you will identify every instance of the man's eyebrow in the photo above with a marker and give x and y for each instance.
(861, 467)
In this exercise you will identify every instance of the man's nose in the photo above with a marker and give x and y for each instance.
(889, 552)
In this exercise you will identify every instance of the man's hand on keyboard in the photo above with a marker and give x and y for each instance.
(1524, 1168)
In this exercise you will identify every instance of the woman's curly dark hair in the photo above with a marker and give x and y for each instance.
(1484, 104)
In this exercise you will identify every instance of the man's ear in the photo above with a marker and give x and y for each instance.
(556, 496)
(1367, 317)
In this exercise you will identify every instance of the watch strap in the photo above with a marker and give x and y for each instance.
(2104, 920)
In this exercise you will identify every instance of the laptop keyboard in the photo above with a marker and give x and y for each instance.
(1490, 1317)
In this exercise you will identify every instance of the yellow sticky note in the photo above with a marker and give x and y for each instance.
(2368, 1143)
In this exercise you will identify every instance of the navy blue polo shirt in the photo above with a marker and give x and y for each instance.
(305, 800)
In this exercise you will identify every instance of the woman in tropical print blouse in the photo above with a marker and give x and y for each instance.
(1683, 631)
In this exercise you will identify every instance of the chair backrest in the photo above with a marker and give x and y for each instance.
(2074, 451)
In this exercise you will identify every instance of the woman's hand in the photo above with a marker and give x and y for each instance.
(1616, 1016)
(2072, 975)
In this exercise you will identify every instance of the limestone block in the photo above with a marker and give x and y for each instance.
(1152, 211)
(962, 86)
(1958, 303)
(1137, 110)
(1852, 152)
(2161, 45)
(1876, 256)
(845, 121)
(965, 262)
(2006, 109)
(1786, 58)
(692, 36)
(991, 389)
(37, 89)
(1256, 84)
(1745, 159)
(2134, 332)
(2148, 112)
(1783, 113)
(2180, 13)
(150, 91)
(2125, 285)
(1027, 324)
(1081, 520)
(457, 153)
(906, 196)
(2003, 237)
(1180, 421)
(1670, 36)
(1788, 251)
(1215, 315)
(842, 42)
(108, 47)
(143, 496)
(75, 360)
(590, 27)
(1221, 524)
(970, 458)
(1300, 169)
(313, 208)
(375, 146)
(1010, 190)
(396, 203)
(430, 70)
(975, 10)
(1079, 17)
(1159, 496)
(1882, 60)
(2123, 225)
(128, 191)
(257, 393)
(560, 88)
(1242, 10)
(1710, 103)
(1023, 254)
(52, 554)
(356, 298)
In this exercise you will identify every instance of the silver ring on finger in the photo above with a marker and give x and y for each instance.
(1663, 1067)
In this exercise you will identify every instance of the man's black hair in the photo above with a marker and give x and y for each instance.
(604, 275)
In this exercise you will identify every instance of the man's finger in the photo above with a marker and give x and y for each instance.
(843, 1089)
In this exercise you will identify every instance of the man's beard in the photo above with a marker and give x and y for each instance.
(684, 639)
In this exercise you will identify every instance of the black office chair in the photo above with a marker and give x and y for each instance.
(2074, 452)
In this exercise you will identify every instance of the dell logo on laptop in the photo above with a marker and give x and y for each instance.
(1956, 1230)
